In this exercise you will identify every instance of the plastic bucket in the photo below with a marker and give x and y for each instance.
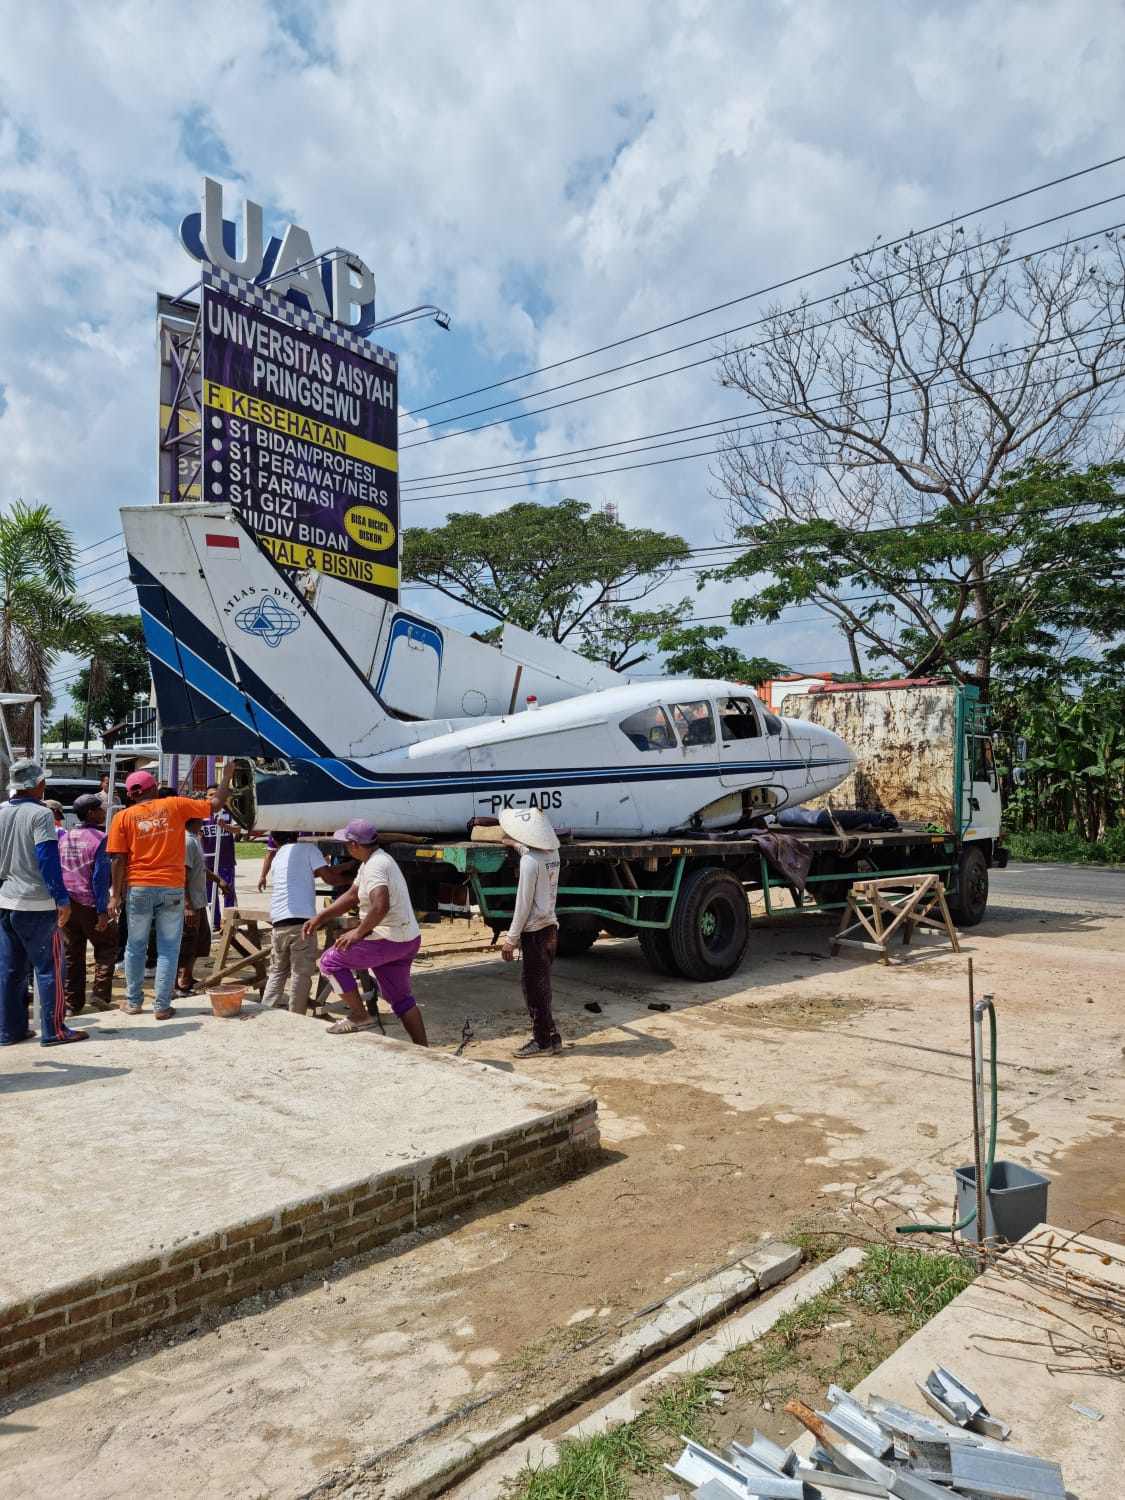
(227, 1001)
(1016, 1200)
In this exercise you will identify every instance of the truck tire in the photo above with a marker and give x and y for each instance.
(710, 929)
(576, 938)
(968, 906)
(656, 945)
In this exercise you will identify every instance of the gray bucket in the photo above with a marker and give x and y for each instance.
(1016, 1200)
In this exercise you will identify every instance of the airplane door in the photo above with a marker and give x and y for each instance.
(750, 746)
(411, 669)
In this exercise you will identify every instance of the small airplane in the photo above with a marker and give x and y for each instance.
(245, 665)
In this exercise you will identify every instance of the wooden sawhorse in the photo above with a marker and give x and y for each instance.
(240, 936)
(903, 901)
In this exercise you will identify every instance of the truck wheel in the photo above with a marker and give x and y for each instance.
(710, 928)
(576, 938)
(656, 945)
(967, 907)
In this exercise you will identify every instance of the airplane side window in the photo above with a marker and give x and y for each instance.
(738, 719)
(649, 730)
(694, 722)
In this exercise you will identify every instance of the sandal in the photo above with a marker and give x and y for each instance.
(64, 1036)
(28, 1036)
(348, 1027)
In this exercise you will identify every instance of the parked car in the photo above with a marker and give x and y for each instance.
(66, 789)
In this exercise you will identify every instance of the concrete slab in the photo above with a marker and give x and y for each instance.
(1008, 1340)
(217, 1157)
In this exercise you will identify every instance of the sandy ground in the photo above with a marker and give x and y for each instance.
(747, 1108)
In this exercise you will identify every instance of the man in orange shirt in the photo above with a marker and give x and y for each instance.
(147, 845)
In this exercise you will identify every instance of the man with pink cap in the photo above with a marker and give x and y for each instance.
(147, 843)
(386, 940)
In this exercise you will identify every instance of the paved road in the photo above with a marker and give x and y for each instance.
(1089, 886)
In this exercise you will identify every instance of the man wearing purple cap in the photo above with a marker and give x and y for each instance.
(386, 940)
(147, 842)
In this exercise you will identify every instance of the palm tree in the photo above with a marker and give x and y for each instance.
(39, 612)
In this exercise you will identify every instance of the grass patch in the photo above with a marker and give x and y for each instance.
(1047, 847)
(245, 849)
(838, 1336)
(911, 1284)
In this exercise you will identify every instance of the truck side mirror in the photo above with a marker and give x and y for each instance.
(1019, 775)
(1021, 746)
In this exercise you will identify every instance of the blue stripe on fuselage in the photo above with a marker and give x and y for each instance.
(349, 776)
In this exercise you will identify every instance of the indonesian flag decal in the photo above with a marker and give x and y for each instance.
(218, 541)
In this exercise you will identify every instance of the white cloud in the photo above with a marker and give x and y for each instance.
(558, 176)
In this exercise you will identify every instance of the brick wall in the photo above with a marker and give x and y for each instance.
(70, 1325)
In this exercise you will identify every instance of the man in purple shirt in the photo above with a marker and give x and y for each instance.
(86, 873)
(34, 908)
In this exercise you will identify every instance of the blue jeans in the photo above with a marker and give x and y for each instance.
(145, 904)
(31, 937)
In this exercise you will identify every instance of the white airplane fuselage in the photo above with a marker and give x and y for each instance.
(267, 680)
(574, 761)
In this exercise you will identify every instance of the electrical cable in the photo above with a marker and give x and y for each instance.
(436, 493)
(777, 286)
(518, 465)
(756, 323)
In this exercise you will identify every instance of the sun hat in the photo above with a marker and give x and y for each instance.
(528, 825)
(357, 831)
(140, 781)
(23, 775)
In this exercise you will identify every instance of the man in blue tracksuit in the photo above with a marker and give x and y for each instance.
(34, 907)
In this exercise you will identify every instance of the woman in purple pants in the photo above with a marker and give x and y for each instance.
(386, 941)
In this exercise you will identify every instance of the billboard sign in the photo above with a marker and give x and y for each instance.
(300, 434)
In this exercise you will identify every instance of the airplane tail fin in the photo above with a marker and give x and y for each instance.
(240, 664)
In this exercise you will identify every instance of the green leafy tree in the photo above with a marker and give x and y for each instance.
(40, 616)
(566, 571)
(116, 678)
(700, 651)
(1016, 585)
(918, 445)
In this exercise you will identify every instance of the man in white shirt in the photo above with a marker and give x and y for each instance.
(385, 941)
(534, 927)
(296, 868)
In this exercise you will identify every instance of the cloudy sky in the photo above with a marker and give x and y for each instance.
(559, 176)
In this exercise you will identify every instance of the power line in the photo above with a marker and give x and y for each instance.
(737, 433)
(831, 296)
(631, 446)
(775, 286)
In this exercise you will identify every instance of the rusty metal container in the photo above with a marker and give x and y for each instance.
(906, 745)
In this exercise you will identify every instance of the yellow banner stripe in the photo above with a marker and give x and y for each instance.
(333, 564)
(293, 424)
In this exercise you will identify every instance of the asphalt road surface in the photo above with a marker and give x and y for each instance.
(1085, 887)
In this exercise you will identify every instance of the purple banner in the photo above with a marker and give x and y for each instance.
(300, 436)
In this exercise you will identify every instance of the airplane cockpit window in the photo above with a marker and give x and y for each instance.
(649, 730)
(738, 719)
(694, 722)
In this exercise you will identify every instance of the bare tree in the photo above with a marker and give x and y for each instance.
(900, 410)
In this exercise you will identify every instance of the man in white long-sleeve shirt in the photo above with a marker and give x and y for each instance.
(535, 927)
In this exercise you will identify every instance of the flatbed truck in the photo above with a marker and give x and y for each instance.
(923, 754)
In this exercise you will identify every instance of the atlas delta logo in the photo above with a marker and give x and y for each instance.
(269, 619)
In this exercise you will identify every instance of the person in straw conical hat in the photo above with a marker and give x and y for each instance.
(534, 928)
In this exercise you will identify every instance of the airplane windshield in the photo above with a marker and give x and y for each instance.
(649, 730)
(694, 722)
(738, 719)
